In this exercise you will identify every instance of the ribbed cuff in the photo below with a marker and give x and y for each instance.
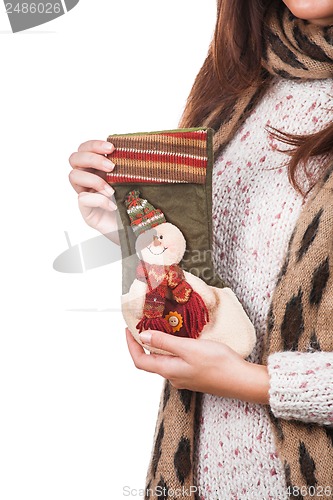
(301, 386)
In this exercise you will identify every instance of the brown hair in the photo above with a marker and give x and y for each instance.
(225, 75)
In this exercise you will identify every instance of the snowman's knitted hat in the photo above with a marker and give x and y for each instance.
(143, 215)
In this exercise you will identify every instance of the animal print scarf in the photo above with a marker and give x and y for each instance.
(294, 49)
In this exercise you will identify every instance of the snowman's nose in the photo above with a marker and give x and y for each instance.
(156, 241)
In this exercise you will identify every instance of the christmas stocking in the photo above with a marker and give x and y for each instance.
(163, 190)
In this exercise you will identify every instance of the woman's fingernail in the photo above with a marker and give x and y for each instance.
(112, 205)
(108, 189)
(145, 337)
(108, 146)
(108, 164)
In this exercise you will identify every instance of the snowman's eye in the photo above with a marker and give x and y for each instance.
(161, 237)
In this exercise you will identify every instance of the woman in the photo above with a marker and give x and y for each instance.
(259, 428)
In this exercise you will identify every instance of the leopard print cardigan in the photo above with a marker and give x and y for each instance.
(300, 318)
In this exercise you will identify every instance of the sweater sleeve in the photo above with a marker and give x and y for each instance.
(301, 386)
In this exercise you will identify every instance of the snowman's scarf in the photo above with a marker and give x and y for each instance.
(164, 280)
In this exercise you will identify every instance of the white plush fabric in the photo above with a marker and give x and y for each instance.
(254, 213)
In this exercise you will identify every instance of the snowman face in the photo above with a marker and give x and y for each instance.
(162, 245)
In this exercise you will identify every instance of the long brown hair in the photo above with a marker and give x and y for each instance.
(225, 75)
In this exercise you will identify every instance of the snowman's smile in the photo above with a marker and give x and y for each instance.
(157, 250)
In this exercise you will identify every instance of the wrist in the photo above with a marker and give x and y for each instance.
(256, 384)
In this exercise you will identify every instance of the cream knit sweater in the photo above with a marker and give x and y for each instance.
(254, 212)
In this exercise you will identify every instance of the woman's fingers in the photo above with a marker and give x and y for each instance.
(99, 147)
(179, 346)
(89, 159)
(173, 368)
(90, 164)
(89, 201)
(81, 180)
(154, 363)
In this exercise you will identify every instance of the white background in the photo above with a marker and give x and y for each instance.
(76, 417)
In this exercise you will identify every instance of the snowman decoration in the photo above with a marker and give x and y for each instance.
(165, 297)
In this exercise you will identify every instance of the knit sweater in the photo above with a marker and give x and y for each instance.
(254, 212)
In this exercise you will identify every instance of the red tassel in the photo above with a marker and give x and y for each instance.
(195, 315)
(160, 324)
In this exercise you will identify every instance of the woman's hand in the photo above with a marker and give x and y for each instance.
(88, 178)
(201, 365)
